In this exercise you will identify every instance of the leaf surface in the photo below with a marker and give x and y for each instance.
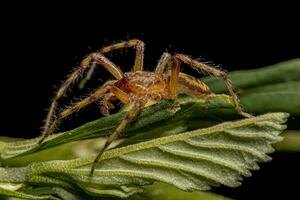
(192, 161)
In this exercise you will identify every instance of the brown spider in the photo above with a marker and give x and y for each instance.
(135, 87)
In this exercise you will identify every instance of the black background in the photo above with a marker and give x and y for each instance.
(39, 47)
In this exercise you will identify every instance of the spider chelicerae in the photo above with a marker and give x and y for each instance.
(136, 87)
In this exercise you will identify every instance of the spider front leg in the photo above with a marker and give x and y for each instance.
(139, 57)
(107, 89)
(85, 64)
(178, 58)
(129, 116)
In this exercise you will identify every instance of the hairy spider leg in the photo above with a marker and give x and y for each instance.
(162, 63)
(105, 89)
(192, 86)
(85, 64)
(178, 58)
(129, 116)
(139, 57)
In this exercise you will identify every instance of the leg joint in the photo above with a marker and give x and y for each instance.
(135, 42)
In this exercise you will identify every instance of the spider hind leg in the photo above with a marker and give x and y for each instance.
(192, 86)
(178, 58)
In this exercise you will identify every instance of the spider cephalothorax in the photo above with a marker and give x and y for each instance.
(136, 87)
(143, 84)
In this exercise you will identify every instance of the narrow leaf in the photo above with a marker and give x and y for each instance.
(283, 97)
(155, 116)
(278, 73)
(159, 191)
(291, 142)
(273, 88)
(20, 195)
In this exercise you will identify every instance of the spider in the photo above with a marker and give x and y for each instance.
(136, 87)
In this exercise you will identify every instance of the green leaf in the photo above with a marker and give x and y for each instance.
(270, 89)
(160, 191)
(191, 161)
(283, 97)
(291, 142)
(6, 191)
(278, 73)
(160, 118)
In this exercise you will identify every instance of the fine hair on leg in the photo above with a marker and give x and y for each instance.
(99, 59)
(129, 116)
(108, 88)
(138, 62)
(178, 58)
(162, 63)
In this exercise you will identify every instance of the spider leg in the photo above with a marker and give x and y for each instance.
(192, 86)
(137, 44)
(105, 89)
(129, 116)
(162, 63)
(139, 58)
(178, 58)
(85, 64)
